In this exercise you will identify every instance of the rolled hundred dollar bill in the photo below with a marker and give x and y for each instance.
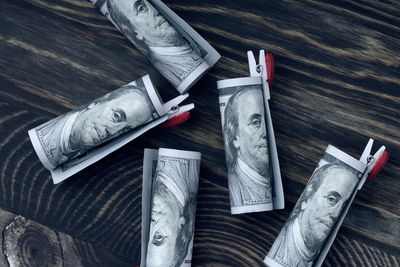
(169, 194)
(76, 139)
(247, 139)
(178, 52)
(311, 227)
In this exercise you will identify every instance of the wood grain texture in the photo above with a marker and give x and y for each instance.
(336, 82)
(27, 243)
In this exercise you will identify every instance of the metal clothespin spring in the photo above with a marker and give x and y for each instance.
(259, 68)
(370, 159)
(173, 110)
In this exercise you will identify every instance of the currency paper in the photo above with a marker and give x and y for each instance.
(309, 226)
(177, 51)
(76, 139)
(246, 144)
(169, 194)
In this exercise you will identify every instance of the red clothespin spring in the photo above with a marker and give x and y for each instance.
(176, 120)
(176, 114)
(270, 66)
(380, 163)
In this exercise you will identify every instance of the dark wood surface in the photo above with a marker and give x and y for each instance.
(337, 80)
(27, 243)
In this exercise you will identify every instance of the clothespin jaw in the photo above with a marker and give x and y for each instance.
(264, 69)
(177, 114)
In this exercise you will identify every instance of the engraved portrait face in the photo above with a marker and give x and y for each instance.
(251, 137)
(322, 208)
(102, 120)
(148, 24)
(166, 222)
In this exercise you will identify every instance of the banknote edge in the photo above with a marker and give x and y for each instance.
(189, 254)
(193, 77)
(272, 263)
(168, 152)
(252, 208)
(39, 149)
(346, 158)
(239, 82)
(279, 199)
(151, 154)
(153, 95)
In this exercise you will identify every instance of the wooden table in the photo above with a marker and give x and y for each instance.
(337, 80)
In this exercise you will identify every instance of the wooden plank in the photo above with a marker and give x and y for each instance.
(27, 243)
(336, 81)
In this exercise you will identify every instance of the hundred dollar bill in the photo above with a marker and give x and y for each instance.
(78, 138)
(311, 227)
(175, 49)
(169, 195)
(246, 144)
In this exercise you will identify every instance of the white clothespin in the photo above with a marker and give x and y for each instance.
(374, 162)
(177, 114)
(259, 69)
(174, 103)
(178, 110)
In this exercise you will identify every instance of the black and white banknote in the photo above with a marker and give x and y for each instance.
(169, 195)
(78, 138)
(246, 144)
(304, 236)
(175, 49)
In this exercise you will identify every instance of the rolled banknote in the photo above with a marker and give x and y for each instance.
(307, 234)
(246, 144)
(77, 138)
(179, 53)
(170, 183)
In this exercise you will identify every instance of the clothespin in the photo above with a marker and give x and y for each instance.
(177, 114)
(264, 68)
(374, 162)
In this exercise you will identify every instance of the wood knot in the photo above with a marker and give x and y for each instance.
(29, 244)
